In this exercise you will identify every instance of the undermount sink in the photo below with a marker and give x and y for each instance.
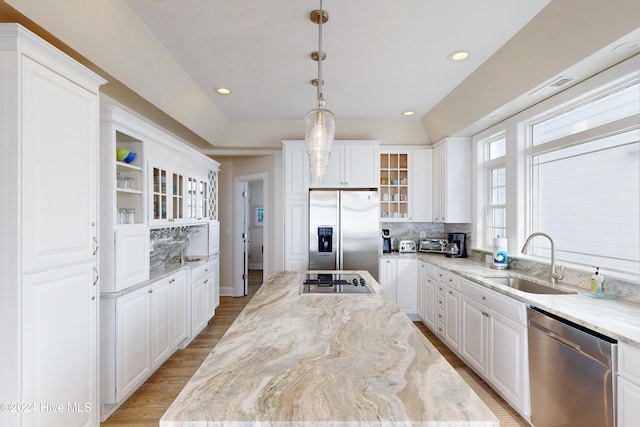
(525, 285)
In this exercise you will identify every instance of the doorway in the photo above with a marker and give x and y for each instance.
(250, 242)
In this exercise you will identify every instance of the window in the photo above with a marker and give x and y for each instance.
(568, 166)
(495, 187)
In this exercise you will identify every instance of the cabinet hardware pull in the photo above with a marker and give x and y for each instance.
(206, 281)
(95, 249)
(172, 280)
(484, 297)
(93, 298)
(150, 291)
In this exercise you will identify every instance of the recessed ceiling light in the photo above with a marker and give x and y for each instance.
(408, 113)
(459, 55)
(223, 91)
(627, 47)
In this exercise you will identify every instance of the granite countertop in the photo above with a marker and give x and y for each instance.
(323, 359)
(616, 318)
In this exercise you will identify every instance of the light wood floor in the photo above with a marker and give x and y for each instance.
(147, 405)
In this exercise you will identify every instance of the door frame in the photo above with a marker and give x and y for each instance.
(241, 212)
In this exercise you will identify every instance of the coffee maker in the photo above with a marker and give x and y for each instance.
(456, 245)
(386, 241)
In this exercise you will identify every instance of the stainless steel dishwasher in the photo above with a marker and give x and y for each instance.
(572, 373)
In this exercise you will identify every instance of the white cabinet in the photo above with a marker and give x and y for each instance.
(405, 184)
(131, 255)
(167, 195)
(139, 331)
(197, 194)
(49, 121)
(353, 164)
(296, 201)
(427, 294)
(494, 342)
(398, 278)
(452, 180)
(205, 294)
(133, 346)
(448, 309)
(628, 413)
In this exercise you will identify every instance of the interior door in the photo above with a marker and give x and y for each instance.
(242, 239)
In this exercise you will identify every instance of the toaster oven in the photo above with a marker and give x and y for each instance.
(432, 245)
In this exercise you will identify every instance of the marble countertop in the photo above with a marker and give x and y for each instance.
(324, 359)
(618, 319)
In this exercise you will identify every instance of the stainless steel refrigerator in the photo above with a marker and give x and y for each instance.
(344, 230)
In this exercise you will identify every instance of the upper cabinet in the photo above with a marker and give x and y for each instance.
(452, 180)
(405, 184)
(353, 164)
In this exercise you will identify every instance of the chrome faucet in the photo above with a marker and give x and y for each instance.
(553, 276)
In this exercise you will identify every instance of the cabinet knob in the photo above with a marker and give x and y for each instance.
(173, 279)
(484, 297)
(150, 291)
(450, 292)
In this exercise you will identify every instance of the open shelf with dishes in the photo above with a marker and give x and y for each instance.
(394, 185)
(130, 180)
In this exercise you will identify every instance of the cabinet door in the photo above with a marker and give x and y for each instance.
(296, 243)
(421, 198)
(159, 324)
(422, 283)
(438, 183)
(59, 345)
(58, 170)
(133, 346)
(508, 355)
(406, 284)
(214, 237)
(216, 283)
(473, 343)
(628, 403)
(159, 203)
(452, 319)
(131, 256)
(335, 170)
(296, 171)
(361, 166)
(387, 276)
(178, 201)
(177, 310)
(431, 306)
(198, 306)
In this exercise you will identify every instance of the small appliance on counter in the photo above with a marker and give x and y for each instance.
(432, 245)
(407, 246)
(386, 241)
(456, 245)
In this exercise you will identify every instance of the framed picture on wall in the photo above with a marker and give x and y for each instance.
(258, 216)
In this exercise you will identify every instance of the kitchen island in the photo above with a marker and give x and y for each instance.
(318, 359)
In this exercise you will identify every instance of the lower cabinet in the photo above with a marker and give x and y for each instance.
(398, 277)
(205, 294)
(494, 342)
(428, 294)
(139, 331)
(628, 411)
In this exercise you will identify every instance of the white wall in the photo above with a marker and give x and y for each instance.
(230, 168)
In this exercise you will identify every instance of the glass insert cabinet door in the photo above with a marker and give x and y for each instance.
(192, 197)
(394, 185)
(160, 194)
(178, 196)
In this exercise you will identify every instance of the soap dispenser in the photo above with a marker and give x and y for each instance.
(597, 282)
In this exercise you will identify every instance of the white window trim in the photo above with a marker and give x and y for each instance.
(515, 129)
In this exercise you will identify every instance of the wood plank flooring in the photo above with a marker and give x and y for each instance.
(147, 405)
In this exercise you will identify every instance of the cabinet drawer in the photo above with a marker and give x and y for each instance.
(431, 271)
(452, 280)
(503, 304)
(201, 271)
(629, 362)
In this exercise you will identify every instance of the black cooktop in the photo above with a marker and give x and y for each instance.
(326, 283)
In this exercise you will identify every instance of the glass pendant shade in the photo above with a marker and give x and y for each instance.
(320, 129)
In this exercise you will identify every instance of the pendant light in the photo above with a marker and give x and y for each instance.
(320, 123)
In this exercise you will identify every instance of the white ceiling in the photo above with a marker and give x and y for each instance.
(383, 57)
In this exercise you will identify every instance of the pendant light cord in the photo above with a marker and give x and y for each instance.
(320, 56)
